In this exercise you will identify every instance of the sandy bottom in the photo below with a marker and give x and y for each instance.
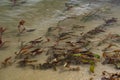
(15, 73)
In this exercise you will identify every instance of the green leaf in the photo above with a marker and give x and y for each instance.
(85, 61)
(97, 56)
(92, 67)
(77, 55)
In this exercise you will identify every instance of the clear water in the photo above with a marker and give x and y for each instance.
(42, 14)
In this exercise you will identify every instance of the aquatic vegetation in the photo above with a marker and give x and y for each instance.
(36, 41)
(110, 76)
(2, 30)
(2, 43)
(73, 58)
(78, 27)
(109, 46)
(110, 38)
(112, 58)
(110, 21)
(92, 66)
(91, 15)
(7, 62)
(36, 52)
(25, 62)
(28, 51)
(66, 50)
(71, 53)
(67, 46)
(71, 4)
(21, 27)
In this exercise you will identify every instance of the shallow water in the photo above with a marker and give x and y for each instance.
(40, 15)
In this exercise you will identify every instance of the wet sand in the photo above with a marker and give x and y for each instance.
(41, 25)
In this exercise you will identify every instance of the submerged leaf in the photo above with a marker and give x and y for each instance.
(77, 55)
(96, 56)
(85, 61)
(118, 65)
(92, 67)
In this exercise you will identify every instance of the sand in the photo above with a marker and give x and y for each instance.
(41, 25)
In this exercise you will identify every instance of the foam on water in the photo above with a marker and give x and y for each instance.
(7, 5)
(31, 2)
(76, 11)
(27, 2)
